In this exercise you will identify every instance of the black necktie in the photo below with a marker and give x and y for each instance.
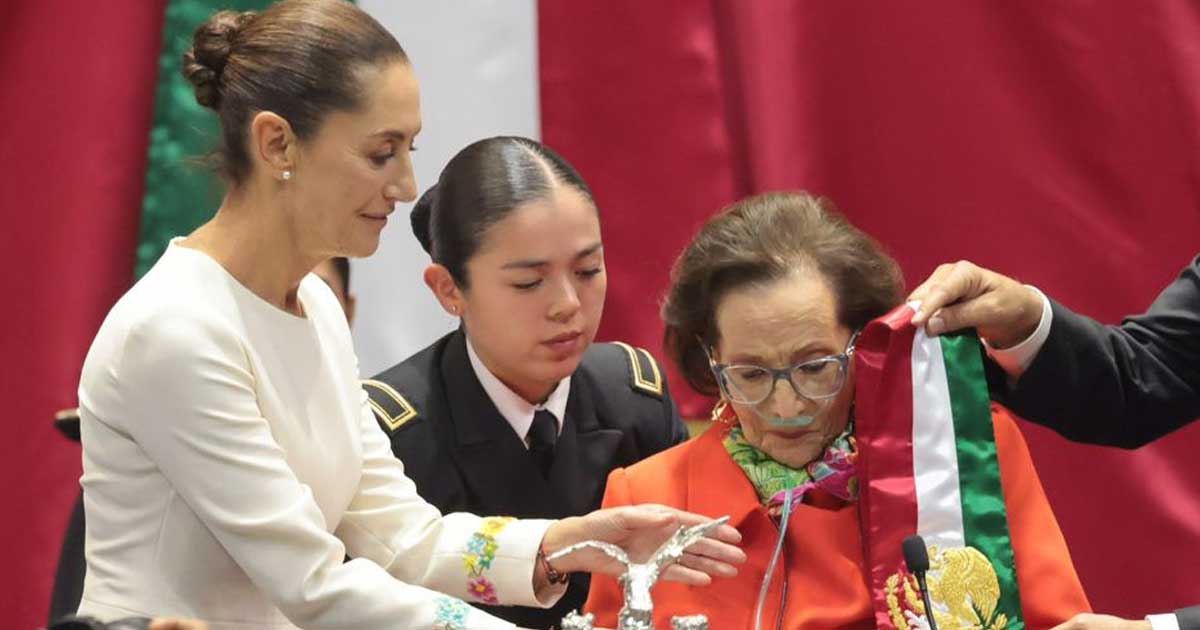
(542, 435)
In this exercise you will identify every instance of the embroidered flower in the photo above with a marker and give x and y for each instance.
(480, 554)
(483, 590)
(493, 525)
(471, 562)
(451, 614)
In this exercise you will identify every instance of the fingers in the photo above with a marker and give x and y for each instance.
(686, 575)
(948, 284)
(650, 516)
(698, 570)
(963, 295)
(717, 551)
(983, 310)
(709, 566)
(728, 534)
(1005, 315)
(724, 533)
(934, 278)
(922, 292)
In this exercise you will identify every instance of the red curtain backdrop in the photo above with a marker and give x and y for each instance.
(74, 120)
(1056, 142)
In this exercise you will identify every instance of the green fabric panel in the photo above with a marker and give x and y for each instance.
(985, 518)
(181, 193)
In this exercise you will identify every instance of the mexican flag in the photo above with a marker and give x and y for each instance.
(928, 466)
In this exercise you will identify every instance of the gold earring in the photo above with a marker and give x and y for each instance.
(719, 411)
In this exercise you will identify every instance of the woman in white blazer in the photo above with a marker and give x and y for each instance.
(231, 462)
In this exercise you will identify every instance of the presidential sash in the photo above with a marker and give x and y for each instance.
(927, 465)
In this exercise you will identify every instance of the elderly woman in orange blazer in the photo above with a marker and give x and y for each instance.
(783, 282)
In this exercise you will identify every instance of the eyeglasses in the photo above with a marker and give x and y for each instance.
(816, 379)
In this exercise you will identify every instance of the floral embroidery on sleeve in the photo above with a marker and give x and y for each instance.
(481, 552)
(451, 614)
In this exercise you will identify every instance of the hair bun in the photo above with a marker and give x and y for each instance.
(212, 44)
(422, 218)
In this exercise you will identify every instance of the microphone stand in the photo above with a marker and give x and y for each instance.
(916, 558)
(925, 598)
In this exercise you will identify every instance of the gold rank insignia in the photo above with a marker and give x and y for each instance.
(646, 375)
(393, 410)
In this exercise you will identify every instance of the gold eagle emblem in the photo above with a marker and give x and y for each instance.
(963, 589)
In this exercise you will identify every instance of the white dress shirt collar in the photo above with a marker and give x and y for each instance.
(515, 409)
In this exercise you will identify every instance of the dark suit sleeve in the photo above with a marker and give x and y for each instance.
(1118, 385)
(1188, 618)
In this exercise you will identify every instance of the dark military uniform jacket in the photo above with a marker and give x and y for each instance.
(465, 457)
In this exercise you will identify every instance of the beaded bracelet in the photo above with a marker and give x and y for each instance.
(552, 574)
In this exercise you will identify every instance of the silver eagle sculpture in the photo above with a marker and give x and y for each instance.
(637, 612)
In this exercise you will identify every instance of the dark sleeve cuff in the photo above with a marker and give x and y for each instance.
(1054, 390)
(1189, 618)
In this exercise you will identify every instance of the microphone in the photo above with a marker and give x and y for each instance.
(916, 558)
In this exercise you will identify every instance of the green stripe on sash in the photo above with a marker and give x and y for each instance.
(985, 521)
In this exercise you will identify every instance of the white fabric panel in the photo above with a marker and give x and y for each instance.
(477, 64)
(935, 452)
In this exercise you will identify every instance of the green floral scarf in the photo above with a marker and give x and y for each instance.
(834, 472)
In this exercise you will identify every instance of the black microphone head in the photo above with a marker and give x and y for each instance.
(916, 555)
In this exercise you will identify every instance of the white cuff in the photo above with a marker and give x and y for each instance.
(1163, 622)
(1016, 360)
(515, 562)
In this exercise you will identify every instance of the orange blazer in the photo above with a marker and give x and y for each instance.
(820, 581)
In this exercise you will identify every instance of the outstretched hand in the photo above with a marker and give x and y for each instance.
(640, 530)
(964, 295)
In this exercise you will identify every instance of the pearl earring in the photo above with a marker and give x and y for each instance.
(287, 175)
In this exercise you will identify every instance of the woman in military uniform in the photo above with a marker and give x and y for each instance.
(517, 412)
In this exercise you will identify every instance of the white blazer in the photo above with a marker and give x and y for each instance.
(230, 462)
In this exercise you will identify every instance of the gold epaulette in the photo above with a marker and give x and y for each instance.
(646, 375)
(393, 410)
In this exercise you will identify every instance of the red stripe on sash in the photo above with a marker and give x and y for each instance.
(883, 430)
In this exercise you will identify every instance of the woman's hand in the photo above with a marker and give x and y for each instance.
(963, 295)
(640, 530)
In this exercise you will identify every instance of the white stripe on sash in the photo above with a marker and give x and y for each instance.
(935, 453)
